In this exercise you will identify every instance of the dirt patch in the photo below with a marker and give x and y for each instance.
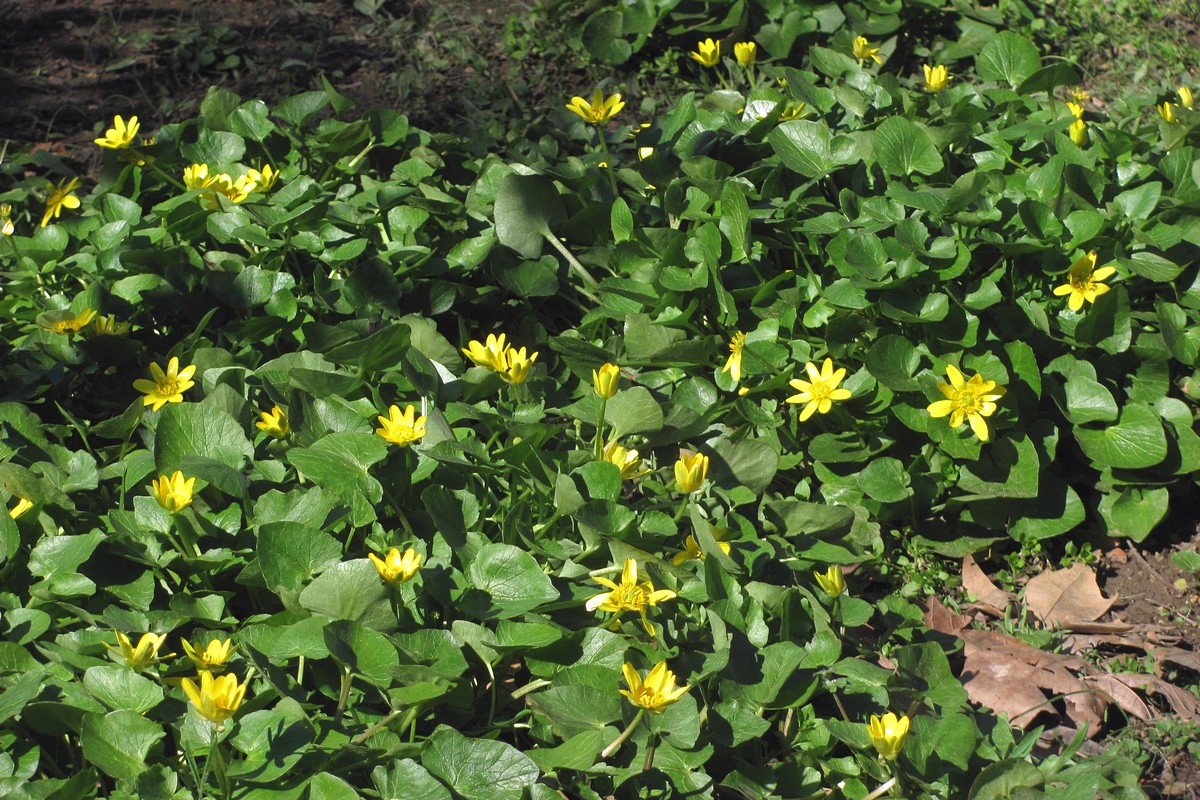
(68, 66)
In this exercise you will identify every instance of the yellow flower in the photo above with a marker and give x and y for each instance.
(1078, 132)
(599, 110)
(820, 390)
(1076, 110)
(142, 656)
(70, 326)
(605, 380)
(490, 355)
(691, 548)
(887, 734)
(167, 387)
(707, 53)
(645, 152)
(654, 692)
(236, 190)
(196, 177)
(1079, 95)
(746, 53)
(397, 567)
(690, 471)
(831, 581)
(121, 134)
(216, 699)
(1165, 112)
(264, 179)
(936, 78)
(1084, 281)
(6, 224)
(60, 198)
(1185, 98)
(863, 51)
(173, 493)
(20, 508)
(274, 422)
(972, 400)
(733, 365)
(212, 657)
(402, 428)
(793, 111)
(108, 326)
(517, 365)
(627, 461)
(628, 595)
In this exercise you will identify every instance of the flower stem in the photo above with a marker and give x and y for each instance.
(608, 159)
(882, 790)
(344, 694)
(620, 740)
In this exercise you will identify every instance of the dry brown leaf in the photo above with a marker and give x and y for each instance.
(976, 583)
(1183, 703)
(1067, 597)
(1085, 642)
(941, 619)
(1184, 658)
(1118, 691)
(1009, 676)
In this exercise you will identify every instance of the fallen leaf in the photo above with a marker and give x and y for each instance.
(1067, 597)
(1021, 681)
(1175, 655)
(941, 619)
(1119, 692)
(1185, 704)
(976, 583)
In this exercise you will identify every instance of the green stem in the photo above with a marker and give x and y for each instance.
(157, 170)
(591, 282)
(600, 427)
(378, 726)
(649, 760)
(620, 740)
(344, 694)
(608, 159)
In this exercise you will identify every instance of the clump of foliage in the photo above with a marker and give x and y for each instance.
(462, 475)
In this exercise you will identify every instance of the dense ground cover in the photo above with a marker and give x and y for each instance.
(440, 469)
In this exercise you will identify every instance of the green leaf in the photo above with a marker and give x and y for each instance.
(1050, 77)
(601, 35)
(1009, 467)
(1086, 400)
(808, 147)
(122, 688)
(633, 410)
(198, 429)
(1135, 442)
(351, 590)
(571, 710)
(364, 651)
(579, 752)
(478, 769)
(1134, 512)
(749, 462)
(1008, 57)
(341, 462)
(510, 579)
(1138, 203)
(1181, 334)
(379, 351)
(527, 207)
(215, 148)
(119, 742)
(405, 779)
(291, 553)
(893, 361)
(885, 480)
(1002, 780)
(902, 147)
(735, 220)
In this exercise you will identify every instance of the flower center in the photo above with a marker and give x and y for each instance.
(169, 387)
(969, 402)
(630, 596)
(820, 391)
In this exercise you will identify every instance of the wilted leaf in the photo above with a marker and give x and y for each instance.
(1067, 596)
